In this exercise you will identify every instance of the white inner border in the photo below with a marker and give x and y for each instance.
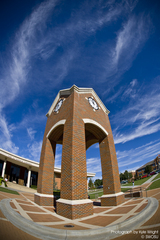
(112, 195)
(74, 202)
(44, 195)
(61, 122)
(87, 120)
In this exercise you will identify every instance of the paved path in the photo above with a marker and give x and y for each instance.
(18, 187)
(151, 179)
(24, 205)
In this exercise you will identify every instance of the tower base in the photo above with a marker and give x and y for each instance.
(44, 199)
(112, 199)
(74, 209)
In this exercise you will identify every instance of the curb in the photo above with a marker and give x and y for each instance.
(103, 233)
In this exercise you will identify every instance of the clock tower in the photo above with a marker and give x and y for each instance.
(77, 119)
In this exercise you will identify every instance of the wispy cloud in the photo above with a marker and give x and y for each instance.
(34, 150)
(131, 90)
(129, 41)
(6, 136)
(31, 133)
(14, 74)
(94, 165)
(142, 114)
(139, 156)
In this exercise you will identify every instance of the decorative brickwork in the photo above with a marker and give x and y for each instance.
(112, 201)
(77, 119)
(44, 201)
(75, 211)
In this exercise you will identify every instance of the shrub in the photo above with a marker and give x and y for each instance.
(2, 180)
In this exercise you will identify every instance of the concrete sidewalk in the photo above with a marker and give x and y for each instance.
(17, 187)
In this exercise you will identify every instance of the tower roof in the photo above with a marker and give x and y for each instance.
(68, 91)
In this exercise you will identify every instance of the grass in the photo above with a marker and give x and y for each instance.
(95, 194)
(137, 182)
(154, 185)
(8, 191)
(158, 176)
(125, 189)
(34, 187)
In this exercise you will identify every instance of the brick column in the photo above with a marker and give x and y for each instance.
(44, 195)
(74, 202)
(110, 173)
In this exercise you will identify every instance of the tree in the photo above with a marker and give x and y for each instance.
(148, 169)
(90, 184)
(98, 182)
(130, 175)
(126, 175)
(121, 176)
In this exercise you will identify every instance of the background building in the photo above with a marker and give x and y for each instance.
(155, 164)
(24, 171)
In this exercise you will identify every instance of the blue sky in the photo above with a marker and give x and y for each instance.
(111, 46)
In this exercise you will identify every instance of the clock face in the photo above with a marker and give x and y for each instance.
(93, 103)
(58, 106)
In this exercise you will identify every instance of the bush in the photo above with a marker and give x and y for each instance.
(2, 180)
(57, 193)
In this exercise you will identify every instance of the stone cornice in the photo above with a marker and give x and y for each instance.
(67, 92)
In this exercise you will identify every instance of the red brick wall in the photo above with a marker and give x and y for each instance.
(58, 181)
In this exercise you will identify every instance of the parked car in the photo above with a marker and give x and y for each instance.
(101, 186)
(124, 181)
(144, 176)
(152, 173)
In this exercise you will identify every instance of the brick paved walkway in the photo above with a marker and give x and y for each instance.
(24, 205)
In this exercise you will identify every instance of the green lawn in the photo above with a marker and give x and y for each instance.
(154, 185)
(137, 182)
(8, 191)
(100, 193)
(125, 189)
(95, 195)
(34, 187)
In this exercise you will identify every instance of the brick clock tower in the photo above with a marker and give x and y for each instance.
(77, 119)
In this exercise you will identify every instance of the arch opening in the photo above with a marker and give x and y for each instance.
(93, 134)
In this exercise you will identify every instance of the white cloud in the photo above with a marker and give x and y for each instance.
(18, 65)
(31, 133)
(94, 165)
(6, 136)
(58, 158)
(133, 82)
(34, 150)
(129, 42)
(141, 116)
(140, 155)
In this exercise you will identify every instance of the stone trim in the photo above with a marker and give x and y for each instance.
(44, 195)
(112, 195)
(61, 122)
(67, 92)
(74, 202)
(87, 120)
